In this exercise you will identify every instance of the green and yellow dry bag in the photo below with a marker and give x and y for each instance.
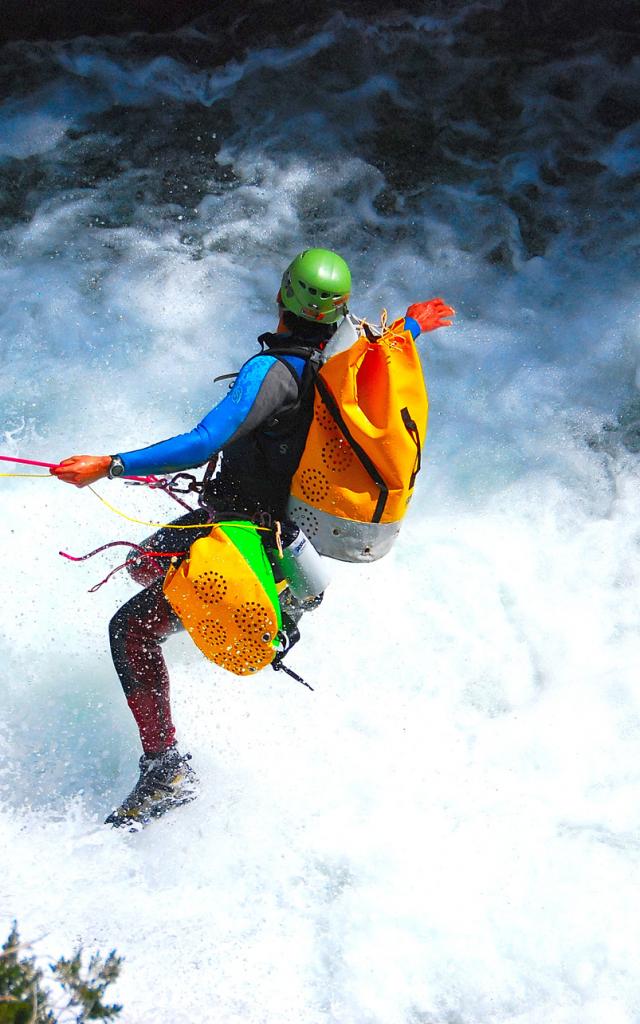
(225, 594)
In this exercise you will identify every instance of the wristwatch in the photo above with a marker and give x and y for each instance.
(116, 468)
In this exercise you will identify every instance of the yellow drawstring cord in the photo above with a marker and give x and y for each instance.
(278, 531)
(176, 526)
(143, 522)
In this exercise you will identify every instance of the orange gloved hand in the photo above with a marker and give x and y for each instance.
(432, 314)
(82, 470)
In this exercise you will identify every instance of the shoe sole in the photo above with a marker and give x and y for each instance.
(143, 816)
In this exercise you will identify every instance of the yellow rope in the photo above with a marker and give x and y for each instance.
(175, 526)
(143, 522)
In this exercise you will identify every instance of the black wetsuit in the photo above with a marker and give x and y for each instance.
(259, 459)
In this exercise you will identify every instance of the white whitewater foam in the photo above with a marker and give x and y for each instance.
(447, 830)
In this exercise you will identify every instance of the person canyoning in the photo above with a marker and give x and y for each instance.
(252, 443)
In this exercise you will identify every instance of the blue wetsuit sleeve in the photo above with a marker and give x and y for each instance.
(412, 325)
(223, 423)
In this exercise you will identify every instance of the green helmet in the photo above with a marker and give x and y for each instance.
(316, 286)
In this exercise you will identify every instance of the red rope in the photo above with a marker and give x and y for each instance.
(96, 586)
(119, 543)
(144, 552)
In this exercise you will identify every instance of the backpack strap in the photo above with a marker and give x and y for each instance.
(365, 459)
(313, 361)
(414, 433)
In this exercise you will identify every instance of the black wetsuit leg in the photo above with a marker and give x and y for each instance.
(138, 629)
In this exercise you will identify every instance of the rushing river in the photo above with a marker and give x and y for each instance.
(447, 831)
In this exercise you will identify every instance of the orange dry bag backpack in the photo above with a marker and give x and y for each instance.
(363, 451)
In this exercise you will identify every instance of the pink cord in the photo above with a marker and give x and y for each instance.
(118, 543)
(27, 462)
(144, 552)
(54, 465)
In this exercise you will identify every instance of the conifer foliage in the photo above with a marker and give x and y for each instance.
(25, 1000)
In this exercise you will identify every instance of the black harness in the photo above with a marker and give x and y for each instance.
(271, 345)
(256, 472)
